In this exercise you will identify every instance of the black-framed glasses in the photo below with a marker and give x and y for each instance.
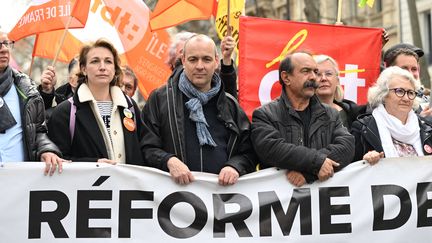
(7, 44)
(400, 92)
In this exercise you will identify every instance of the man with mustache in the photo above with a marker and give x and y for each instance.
(298, 133)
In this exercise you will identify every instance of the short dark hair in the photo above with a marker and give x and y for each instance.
(287, 66)
(417, 50)
(127, 71)
(390, 57)
(72, 64)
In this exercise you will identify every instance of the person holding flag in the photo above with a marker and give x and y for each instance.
(52, 96)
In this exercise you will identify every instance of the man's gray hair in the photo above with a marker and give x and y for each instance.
(179, 38)
(379, 91)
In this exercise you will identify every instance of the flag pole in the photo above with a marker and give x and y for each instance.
(32, 59)
(229, 18)
(339, 13)
(62, 40)
(31, 66)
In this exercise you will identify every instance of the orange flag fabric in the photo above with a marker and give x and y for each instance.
(49, 16)
(125, 23)
(168, 13)
(265, 42)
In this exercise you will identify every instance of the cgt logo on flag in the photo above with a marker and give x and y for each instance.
(265, 42)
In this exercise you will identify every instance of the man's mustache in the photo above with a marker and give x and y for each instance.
(310, 84)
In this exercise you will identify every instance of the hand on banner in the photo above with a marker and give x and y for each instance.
(108, 161)
(228, 176)
(227, 48)
(327, 170)
(296, 178)
(179, 171)
(52, 161)
(385, 37)
(48, 80)
(372, 157)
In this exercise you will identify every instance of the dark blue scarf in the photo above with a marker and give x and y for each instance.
(195, 103)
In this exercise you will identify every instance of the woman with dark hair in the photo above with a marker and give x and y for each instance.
(98, 123)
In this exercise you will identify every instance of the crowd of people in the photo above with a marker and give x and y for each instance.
(195, 123)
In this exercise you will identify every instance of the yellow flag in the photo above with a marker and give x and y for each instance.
(362, 3)
(236, 10)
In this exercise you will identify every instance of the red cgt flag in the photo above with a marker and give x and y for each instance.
(49, 16)
(265, 42)
(125, 24)
(168, 13)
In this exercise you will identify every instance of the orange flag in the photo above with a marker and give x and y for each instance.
(168, 13)
(50, 15)
(125, 23)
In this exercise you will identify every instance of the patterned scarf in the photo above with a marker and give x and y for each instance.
(195, 103)
(6, 118)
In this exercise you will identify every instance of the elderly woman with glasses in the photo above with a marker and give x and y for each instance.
(393, 129)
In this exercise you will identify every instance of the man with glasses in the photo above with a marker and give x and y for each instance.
(297, 132)
(129, 82)
(23, 134)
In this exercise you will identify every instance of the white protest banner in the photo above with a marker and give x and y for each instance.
(89, 202)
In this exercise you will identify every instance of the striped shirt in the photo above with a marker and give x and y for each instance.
(105, 109)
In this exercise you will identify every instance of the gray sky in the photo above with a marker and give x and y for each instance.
(10, 12)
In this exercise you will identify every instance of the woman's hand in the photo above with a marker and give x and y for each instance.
(372, 157)
(108, 161)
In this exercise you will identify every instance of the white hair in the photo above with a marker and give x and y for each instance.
(322, 58)
(380, 90)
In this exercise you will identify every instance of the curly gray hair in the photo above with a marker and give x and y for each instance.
(379, 91)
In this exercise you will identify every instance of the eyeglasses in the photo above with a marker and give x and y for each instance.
(400, 92)
(327, 74)
(7, 44)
